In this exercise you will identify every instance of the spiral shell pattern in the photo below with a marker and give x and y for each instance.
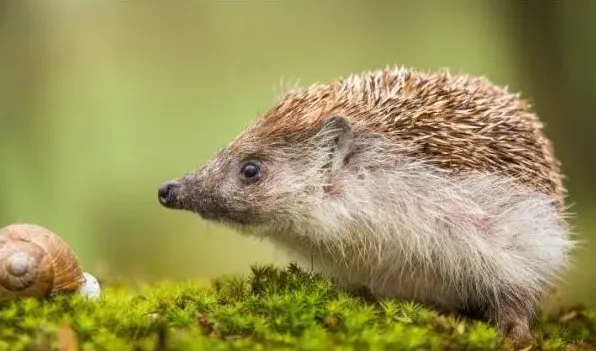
(34, 262)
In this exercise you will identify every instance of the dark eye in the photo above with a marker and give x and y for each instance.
(251, 171)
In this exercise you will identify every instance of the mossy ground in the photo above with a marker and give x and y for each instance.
(270, 309)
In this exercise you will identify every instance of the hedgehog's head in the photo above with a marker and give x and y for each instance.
(270, 178)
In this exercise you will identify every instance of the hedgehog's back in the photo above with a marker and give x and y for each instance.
(455, 122)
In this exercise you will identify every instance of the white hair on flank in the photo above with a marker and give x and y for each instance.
(409, 230)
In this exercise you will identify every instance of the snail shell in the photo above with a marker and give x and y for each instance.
(35, 262)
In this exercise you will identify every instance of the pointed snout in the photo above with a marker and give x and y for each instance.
(168, 194)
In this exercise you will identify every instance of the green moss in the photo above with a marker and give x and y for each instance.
(270, 309)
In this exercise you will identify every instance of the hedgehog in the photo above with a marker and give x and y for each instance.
(423, 186)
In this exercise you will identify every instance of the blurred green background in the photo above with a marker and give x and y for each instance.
(102, 101)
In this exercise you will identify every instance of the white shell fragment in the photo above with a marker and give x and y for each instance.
(90, 287)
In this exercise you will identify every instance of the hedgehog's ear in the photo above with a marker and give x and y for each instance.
(335, 135)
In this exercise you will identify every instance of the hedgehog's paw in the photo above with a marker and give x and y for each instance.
(513, 322)
(518, 333)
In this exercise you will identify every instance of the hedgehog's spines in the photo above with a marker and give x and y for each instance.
(455, 121)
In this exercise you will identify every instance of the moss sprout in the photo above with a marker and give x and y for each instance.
(272, 308)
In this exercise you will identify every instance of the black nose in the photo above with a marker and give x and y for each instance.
(167, 194)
